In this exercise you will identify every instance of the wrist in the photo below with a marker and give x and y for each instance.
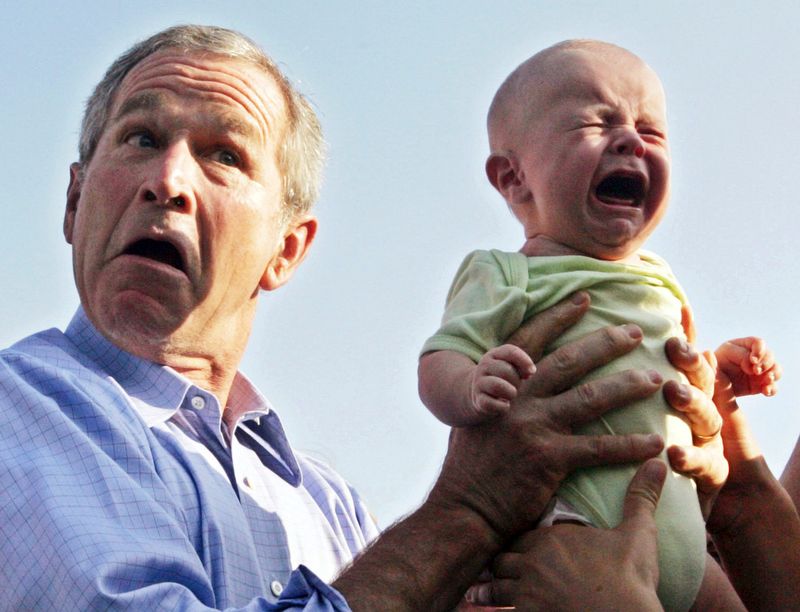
(753, 496)
(426, 561)
(457, 505)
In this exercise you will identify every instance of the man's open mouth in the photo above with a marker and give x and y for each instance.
(158, 250)
(621, 190)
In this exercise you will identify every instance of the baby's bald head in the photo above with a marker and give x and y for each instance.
(527, 90)
(578, 137)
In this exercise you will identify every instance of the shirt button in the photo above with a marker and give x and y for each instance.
(198, 402)
(276, 588)
(246, 482)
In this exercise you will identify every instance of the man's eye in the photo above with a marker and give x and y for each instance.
(227, 158)
(142, 140)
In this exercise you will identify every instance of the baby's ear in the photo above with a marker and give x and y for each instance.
(505, 174)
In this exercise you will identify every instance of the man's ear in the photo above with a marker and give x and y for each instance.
(293, 249)
(505, 174)
(73, 195)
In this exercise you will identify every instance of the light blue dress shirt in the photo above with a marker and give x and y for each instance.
(121, 487)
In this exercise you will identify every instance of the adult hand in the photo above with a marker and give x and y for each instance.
(747, 465)
(507, 470)
(753, 522)
(790, 478)
(575, 567)
(498, 476)
(704, 461)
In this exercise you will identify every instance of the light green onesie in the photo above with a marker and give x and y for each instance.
(494, 292)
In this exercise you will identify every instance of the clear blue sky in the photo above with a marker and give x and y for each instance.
(402, 90)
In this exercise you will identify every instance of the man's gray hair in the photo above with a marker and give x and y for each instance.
(301, 153)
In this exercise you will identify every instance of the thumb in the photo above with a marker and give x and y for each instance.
(643, 494)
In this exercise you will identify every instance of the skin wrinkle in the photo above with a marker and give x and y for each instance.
(151, 101)
(165, 69)
(220, 97)
(198, 326)
(227, 129)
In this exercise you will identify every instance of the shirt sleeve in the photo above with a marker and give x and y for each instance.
(306, 592)
(485, 305)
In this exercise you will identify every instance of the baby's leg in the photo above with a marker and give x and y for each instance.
(716, 592)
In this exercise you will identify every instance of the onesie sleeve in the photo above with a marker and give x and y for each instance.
(485, 305)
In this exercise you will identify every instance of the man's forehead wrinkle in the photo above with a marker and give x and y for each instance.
(218, 80)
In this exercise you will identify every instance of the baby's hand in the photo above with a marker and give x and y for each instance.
(498, 376)
(750, 366)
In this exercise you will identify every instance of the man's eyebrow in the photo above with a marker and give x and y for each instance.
(236, 125)
(152, 101)
(144, 101)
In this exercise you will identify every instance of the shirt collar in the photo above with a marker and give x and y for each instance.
(157, 390)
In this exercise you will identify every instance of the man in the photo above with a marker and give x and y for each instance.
(141, 470)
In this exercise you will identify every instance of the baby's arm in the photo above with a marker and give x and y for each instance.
(749, 365)
(460, 392)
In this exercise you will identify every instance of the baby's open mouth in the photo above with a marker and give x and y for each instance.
(159, 250)
(621, 190)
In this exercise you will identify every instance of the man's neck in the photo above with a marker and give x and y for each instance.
(211, 361)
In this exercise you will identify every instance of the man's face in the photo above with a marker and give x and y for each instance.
(594, 154)
(176, 220)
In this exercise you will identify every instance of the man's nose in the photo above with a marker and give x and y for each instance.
(170, 180)
(628, 141)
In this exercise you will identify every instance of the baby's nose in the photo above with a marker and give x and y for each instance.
(630, 143)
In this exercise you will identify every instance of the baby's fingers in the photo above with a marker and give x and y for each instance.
(516, 357)
(750, 354)
(495, 387)
(488, 405)
(767, 381)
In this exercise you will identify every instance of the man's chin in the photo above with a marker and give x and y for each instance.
(142, 327)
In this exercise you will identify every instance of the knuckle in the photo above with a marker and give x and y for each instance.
(587, 394)
(645, 494)
(611, 337)
(565, 358)
(596, 447)
(599, 447)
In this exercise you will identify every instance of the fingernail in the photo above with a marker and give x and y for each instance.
(579, 298)
(633, 331)
(655, 376)
(655, 441)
